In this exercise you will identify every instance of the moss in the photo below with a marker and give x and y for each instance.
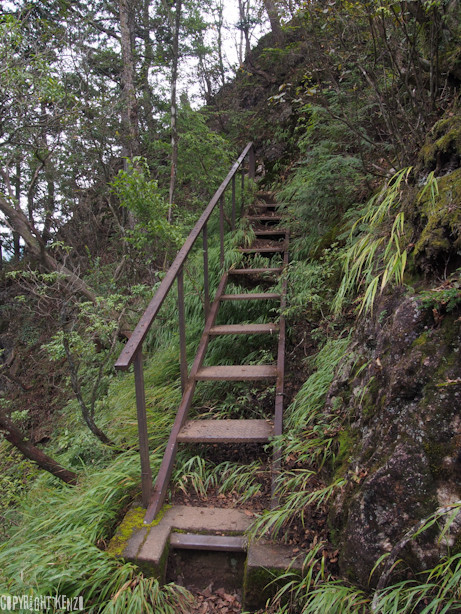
(347, 439)
(133, 521)
(445, 138)
(261, 583)
(436, 452)
(441, 234)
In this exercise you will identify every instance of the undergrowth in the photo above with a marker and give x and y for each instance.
(308, 442)
(56, 544)
(434, 591)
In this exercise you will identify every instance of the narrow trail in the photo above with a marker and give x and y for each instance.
(245, 318)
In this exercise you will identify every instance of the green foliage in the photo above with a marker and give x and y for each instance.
(204, 158)
(311, 284)
(225, 478)
(309, 436)
(326, 181)
(446, 297)
(72, 521)
(433, 591)
(375, 255)
(141, 195)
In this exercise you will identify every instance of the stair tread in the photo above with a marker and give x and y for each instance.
(237, 372)
(255, 296)
(244, 329)
(252, 250)
(255, 271)
(196, 541)
(263, 218)
(267, 232)
(226, 431)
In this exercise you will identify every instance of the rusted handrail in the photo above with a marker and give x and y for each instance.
(132, 352)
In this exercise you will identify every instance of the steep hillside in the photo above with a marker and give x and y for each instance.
(383, 438)
(355, 113)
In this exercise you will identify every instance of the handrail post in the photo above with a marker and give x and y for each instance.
(182, 329)
(221, 230)
(242, 190)
(206, 282)
(251, 163)
(146, 473)
(233, 202)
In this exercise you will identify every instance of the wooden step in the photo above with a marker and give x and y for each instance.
(219, 543)
(251, 296)
(272, 271)
(264, 218)
(262, 250)
(266, 205)
(265, 196)
(271, 232)
(235, 373)
(244, 329)
(226, 431)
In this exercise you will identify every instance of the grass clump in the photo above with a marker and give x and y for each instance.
(376, 254)
(309, 439)
(57, 549)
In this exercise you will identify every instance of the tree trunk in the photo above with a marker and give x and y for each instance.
(274, 19)
(174, 106)
(17, 187)
(87, 413)
(219, 27)
(20, 224)
(16, 438)
(245, 25)
(130, 137)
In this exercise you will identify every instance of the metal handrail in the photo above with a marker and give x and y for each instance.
(132, 352)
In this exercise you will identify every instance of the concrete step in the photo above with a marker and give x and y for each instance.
(226, 431)
(218, 543)
(236, 373)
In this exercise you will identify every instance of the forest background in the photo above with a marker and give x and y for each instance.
(354, 111)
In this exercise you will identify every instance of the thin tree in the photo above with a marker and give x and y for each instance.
(14, 436)
(175, 24)
(130, 138)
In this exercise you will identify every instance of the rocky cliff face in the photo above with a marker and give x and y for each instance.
(400, 391)
(405, 421)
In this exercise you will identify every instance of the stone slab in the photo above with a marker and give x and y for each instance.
(265, 562)
(148, 543)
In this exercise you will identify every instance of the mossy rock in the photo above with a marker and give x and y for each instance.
(440, 238)
(443, 143)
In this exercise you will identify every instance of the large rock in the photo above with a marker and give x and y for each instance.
(405, 433)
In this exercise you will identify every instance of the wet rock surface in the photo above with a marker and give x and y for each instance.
(401, 388)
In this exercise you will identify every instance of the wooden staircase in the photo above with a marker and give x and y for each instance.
(236, 284)
(212, 431)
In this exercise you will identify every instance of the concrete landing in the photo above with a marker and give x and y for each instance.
(148, 546)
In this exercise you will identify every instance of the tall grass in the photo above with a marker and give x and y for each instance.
(57, 545)
(307, 438)
(54, 551)
(376, 254)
